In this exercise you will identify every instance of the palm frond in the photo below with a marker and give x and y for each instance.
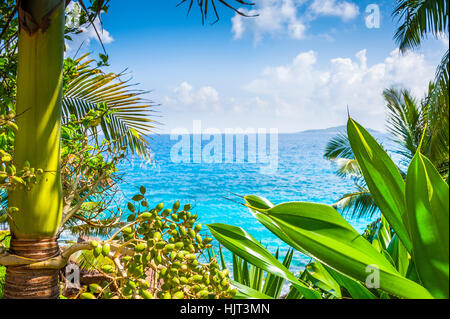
(404, 121)
(86, 260)
(418, 19)
(206, 6)
(130, 121)
(339, 147)
(347, 168)
(358, 204)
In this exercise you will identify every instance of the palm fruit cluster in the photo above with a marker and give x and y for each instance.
(170, 242)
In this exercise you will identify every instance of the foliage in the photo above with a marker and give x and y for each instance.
(405, 251)
(408, 119)
(166, 243)
(86, 86)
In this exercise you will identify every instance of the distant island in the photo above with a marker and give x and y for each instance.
(334, 130)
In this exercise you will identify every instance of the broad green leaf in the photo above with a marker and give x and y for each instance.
(354, 288)
(256, 203)
(399, 255)
(244, 245)
(427, 197)
(247, 292)
(321, 278)
(326, 236)
(382, 177)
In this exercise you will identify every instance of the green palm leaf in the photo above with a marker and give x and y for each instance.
(128, 124)
(419, 18)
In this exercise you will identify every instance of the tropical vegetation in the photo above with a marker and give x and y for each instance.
(406, 257)
(66, 125)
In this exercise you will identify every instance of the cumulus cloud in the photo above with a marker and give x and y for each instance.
(342, 9)
(303, 91)
(185, 95)
(289, 17)
(274, 17)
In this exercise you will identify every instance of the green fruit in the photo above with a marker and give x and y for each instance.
(146, 216)
(157, 236)
(176, 206)
(93, 244)
(175, 281)
(183, 230)
(126, 259)
(166, 295)
(184, 280)
(179, 245)
(187, 207)
(197, 278)
(97, 251)
(203, 294)
(127, 230)
(198, 227)
(94, 288)
(140, 247)
(166, 212)
(87, 295)
(192, 233)
(178, 295)
(145, 294)
(159, 207)
(169, 247)
(199, 239)
(174, 217)
(131, 284)
(107, 269)
(207, 240)
(106, 249)
(173, 232)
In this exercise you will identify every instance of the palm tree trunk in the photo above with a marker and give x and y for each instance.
(39, 91)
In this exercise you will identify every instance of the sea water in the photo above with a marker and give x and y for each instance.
(303, 174)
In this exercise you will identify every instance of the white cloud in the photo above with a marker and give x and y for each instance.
(275, 16)
(88, 32)
(313, 96)
(184, 95)
(342, 9)
(285, 17)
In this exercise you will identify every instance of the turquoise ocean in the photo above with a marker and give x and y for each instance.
(303, 174)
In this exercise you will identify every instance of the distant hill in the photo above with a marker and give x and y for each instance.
(334, 130)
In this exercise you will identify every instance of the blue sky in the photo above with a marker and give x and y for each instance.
(295, 67)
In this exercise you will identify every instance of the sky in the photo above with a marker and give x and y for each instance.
(297, 66)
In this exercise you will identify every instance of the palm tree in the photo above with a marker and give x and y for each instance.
(408, 120)
(419, 19)
(35, 223)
